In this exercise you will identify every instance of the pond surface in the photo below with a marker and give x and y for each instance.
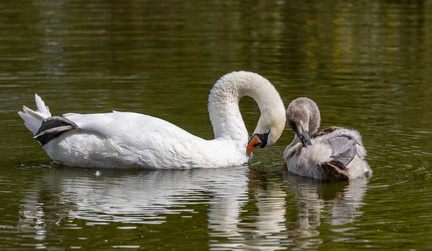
(367, 64)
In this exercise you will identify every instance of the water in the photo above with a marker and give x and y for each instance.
(367, 64)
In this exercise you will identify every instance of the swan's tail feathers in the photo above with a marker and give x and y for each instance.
(33, 119)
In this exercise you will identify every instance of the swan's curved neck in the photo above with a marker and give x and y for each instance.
(224, 100)
(224, 110)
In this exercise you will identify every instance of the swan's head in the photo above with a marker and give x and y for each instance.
(269, 129)
(303, 116)
(225, 113)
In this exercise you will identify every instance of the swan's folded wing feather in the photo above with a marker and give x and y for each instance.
(343, 148)
(107, 124)
(125, 124)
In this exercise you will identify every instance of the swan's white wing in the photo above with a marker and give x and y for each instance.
(123, 123)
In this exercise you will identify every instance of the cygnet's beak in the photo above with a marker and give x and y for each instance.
(305, 139)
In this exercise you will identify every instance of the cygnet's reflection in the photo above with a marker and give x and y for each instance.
(318, 202)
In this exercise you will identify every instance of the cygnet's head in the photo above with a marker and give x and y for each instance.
(303, 116)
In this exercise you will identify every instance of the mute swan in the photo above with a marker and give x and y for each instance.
(333, 154)
(127, 139)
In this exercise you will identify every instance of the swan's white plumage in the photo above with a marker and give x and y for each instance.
(127, 139)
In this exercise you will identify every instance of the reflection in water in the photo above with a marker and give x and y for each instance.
(107, 195)
(143, 197)
(242, 208)
(336, 204)
(260, 222)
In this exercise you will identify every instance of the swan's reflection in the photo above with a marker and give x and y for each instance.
(133, 196)
(258, 223)
(143, 196)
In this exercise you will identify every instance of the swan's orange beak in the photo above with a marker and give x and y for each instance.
(254, 143)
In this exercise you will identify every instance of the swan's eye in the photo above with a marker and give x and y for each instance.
(257, 140)
(257, 144)
(264, 138)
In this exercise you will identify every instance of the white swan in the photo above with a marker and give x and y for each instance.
(127, 139)
(333, 154)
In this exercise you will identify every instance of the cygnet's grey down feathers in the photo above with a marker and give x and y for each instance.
(333, 154)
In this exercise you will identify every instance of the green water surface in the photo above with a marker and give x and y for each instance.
(367, 64)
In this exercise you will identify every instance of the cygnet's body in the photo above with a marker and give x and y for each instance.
(333, 154)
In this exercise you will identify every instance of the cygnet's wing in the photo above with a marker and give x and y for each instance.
(343, 148)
